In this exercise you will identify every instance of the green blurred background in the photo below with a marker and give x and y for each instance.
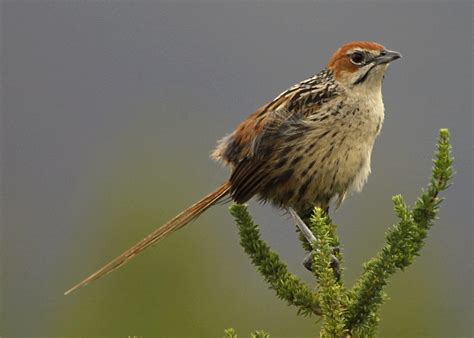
(109, 112)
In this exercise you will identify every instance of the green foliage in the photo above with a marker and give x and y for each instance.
(404, 242)
(259, 334)
(287, 286)
(349, 312)
(230, 333)
(332, 293)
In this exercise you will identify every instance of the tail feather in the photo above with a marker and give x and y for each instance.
(168, 228)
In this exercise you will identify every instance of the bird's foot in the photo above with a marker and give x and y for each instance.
(308, 260)
(308, 263)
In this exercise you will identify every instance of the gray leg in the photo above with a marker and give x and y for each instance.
(307, 261)
(302, 226)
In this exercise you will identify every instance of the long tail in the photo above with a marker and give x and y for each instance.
(167, 229)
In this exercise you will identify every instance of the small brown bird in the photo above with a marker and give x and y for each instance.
(308, 147)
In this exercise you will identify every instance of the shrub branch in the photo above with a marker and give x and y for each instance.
(351, 312)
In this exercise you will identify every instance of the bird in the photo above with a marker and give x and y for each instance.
(309, 146)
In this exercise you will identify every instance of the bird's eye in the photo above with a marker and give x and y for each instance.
(357, 58)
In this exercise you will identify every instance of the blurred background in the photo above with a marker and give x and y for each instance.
(110, 110)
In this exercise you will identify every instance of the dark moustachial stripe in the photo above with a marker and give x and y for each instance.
(363, 77)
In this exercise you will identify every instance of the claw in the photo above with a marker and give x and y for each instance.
(308, 263)
(336, 267)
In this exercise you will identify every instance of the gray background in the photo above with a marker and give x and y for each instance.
(109, 111)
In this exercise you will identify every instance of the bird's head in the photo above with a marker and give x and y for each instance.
(361, 64)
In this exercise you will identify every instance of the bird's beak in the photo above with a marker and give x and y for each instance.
(386, 56)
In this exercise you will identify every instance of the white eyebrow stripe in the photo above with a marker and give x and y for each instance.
(363, 50)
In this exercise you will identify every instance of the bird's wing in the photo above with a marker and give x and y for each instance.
(252, 172)
(272, 131)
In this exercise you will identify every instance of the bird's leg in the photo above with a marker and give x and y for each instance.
(305, 216)
(302, 226)
(308, 260)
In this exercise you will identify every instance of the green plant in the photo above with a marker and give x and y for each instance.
(348, 312)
